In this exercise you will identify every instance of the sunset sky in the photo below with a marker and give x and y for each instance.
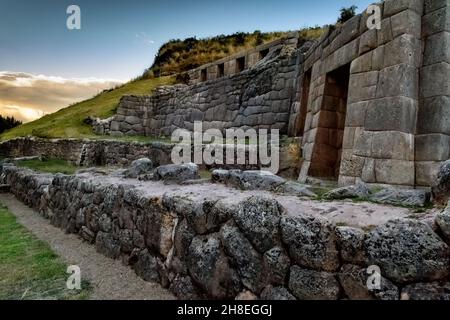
(44, 66)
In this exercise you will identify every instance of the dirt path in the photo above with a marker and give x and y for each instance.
(109, 278)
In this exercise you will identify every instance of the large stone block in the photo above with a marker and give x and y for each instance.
(392, 145)
(362, 86)
(434, 115)
(378, 58)
(368, 173)
(432, 147)
(392, 114)
(350, 242)
(437, 48)
(392, 7)
(396, 172)
(408, 251)
(368, 41)
(405, 49)
(436, 21)
(356, 114)
(351, 165)
(313, 285)
(385, 33)
(363, 143)
(210, 269)
(349, 138)
(407, 22)
(399, 80)
(426, 173)
(350, 30)
(431, 5)
(311, 242)
(354, 281)
(362, 64)
(434, 80)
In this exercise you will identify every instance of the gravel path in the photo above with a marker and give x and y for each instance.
(110, 279)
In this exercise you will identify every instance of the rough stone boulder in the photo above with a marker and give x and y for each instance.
(407, 251)
(441, 189)
(276, 293)
(402, 197)
(313, 285)
(351, 192)
(210, 269)
(276, 265)
(107, 245)
(138, 167)
(353, 280)
(295, 189)
(260, 180)
(443, 221)
(427, 291)
(177, 172)
(311, 242)
(351, 244)
(147, 266)
(248, 180)
(247, 260)
(259, 218)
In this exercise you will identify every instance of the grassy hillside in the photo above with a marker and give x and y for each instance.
(68, 122)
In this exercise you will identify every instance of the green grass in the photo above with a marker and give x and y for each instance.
(49, 165)
(69, 122)
(29, 269)
(205, 174)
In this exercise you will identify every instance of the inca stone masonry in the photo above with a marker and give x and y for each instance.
(370, 105)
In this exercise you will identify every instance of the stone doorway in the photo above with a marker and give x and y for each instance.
(326, 159)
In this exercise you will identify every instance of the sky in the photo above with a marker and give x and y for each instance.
(45, 66)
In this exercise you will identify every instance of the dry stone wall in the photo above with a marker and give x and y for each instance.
(217, 248)
(259, 97)
(87, 152)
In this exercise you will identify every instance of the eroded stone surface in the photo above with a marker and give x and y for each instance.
(311, 242)
(408, 250)
(313, 285)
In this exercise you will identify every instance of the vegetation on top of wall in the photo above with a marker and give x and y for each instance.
(177, 56)
(70, 122)
(347, 13)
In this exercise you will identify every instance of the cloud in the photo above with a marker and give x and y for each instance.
(144, 38)
(28, 96)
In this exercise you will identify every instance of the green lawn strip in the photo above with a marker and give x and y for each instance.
(49, 165)
(29, 269)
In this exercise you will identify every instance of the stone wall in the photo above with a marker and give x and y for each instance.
(259, 97)
(229, 66)
(87, 152)
(220, 248)
(432, 142)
